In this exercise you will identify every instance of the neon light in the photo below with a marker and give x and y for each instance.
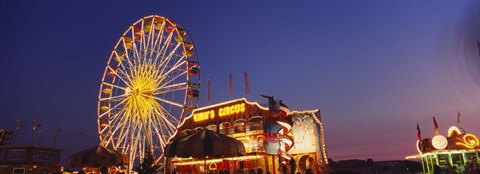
(418, 147)
(469, 141)
(412, 157)
(221, 112)
(439, 142)
(205, 115)
(189, 161)
(452, 130)
(230, 110)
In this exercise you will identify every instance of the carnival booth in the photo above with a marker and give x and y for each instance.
(99, 159)
(458, 152)
(239, 135)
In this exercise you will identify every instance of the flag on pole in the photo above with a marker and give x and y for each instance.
(419, 133)
(35, 124)
(458, 117)
(436, 125)
(19, 125)
(208, 90)
(230, 84)
(247, 87)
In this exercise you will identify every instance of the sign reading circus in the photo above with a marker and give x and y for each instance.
(221, 111)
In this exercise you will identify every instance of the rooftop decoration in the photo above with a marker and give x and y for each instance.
(456, 139)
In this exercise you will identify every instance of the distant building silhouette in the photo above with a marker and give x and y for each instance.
(21, 159)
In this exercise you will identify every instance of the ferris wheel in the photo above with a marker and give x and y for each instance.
(150, 82)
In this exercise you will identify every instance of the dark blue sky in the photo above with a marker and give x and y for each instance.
(375, 68)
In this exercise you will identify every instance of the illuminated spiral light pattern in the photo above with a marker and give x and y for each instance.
(286, 141)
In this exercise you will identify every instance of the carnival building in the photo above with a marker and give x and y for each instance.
(274, 139)
(457, 153)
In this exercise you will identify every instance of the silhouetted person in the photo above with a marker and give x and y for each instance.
(259, 171)
(437, 170)
(284, 169)
(293, 166)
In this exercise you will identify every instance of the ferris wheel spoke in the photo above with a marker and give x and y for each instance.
(149, 43)
(135, 47)
(167, 101)
(122, 79)
(170, 55)
(160, 109)
(113, 85)
(122, 65)
(117, 119)
(165, 115)
(130, 66)
(134, 149)
(150, 40)
(144, 42)
(165, 67)
(151, 34)
(161, 53)
(160, 133)
(126, 137)
(122, 69)
(136, 55)
(109, 110)
(141, 48)
(175, 67)
(118, 140)
(169, 77)
(114, 98)
(122, 139)
(172, 79)
(119, 124)
(156, 128)
(158, 41)
(170, 88)
(164, 63)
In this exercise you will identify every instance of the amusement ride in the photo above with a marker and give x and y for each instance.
(151, 80)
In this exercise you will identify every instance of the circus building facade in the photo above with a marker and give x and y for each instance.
(272, 139)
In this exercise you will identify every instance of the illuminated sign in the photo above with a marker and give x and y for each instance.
(230, 110)
(205, 115)
(222, 111)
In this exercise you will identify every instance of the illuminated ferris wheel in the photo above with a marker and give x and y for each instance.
(150, 82)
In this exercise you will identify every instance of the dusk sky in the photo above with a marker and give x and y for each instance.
(374, 68)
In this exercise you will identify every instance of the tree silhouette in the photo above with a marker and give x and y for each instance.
(148, 166)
